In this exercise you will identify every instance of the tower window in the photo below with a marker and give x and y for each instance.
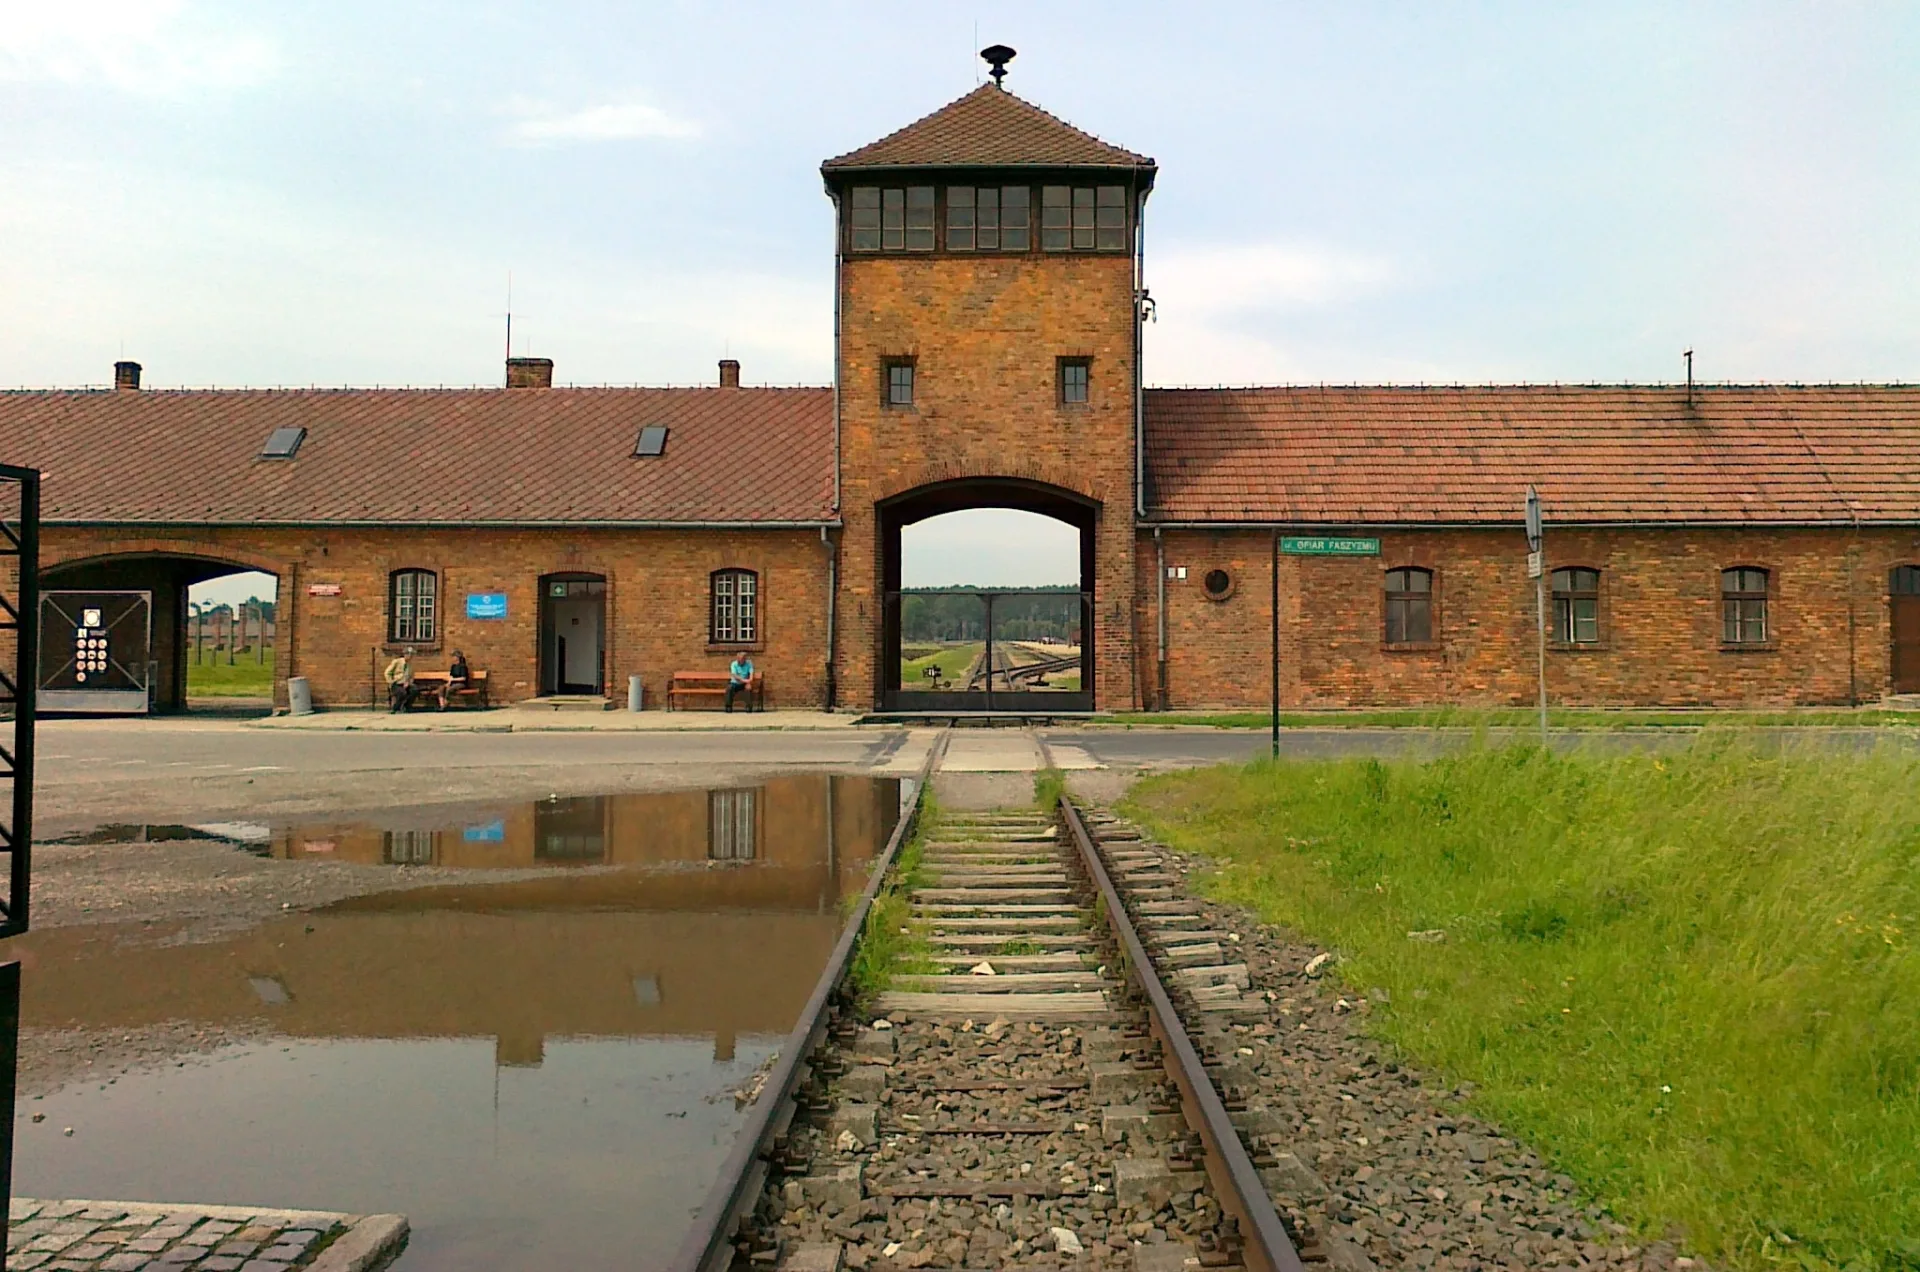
(900, 383)
(919, 218)
(866, 218)
(1074, 373)
(987, 218)
(897, 220)
(1083, 218)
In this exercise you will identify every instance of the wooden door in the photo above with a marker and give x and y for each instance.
(1906, 644)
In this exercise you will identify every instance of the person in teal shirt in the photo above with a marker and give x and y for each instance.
(739, 677)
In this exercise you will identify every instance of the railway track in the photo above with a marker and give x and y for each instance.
(1038, 667)
(1052, 1086)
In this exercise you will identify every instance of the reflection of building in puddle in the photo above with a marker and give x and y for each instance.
(660, 951)
(773, 822)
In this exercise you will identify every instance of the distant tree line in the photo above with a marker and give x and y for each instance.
(1018, 614)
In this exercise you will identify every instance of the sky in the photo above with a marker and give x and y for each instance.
(303, 193)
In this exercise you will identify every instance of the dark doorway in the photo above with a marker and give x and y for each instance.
(573, 629)
(1905, 589)
(1025, 650)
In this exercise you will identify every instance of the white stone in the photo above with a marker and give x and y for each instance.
(1065, 1242)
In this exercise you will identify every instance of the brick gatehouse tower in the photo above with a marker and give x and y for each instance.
(987, 354)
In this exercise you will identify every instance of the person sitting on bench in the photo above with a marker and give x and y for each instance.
(399, 674)
(740, 679)
(458, 676)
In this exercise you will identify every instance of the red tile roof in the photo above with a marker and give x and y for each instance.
(426, 456)
(1464, 456)
(988, 128)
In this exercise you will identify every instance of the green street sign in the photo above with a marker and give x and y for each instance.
(1316, 545)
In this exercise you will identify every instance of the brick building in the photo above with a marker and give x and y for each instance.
(1705, 546)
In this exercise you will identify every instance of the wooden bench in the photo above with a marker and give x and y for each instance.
(435, 687)
(713, 684)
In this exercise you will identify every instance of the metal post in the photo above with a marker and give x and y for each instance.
(233, 634)
(1540, 610)
(988, 598)
(1274, 671)
(1537, 568)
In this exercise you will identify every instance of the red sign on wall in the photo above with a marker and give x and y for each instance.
(323, 589)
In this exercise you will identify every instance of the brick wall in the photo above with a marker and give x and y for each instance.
(656, 598)
(984, 334)
(1660, 616)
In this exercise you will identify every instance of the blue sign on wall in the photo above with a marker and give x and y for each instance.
(493, 832)
(486, 604)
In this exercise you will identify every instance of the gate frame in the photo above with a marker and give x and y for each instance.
(22, 615)
(1018, 494)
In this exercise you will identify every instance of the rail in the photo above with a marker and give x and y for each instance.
(1236, 1181)
(708, 1247)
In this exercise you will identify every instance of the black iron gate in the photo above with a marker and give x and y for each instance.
(19, 607)
(1019, 650)
(97, 652)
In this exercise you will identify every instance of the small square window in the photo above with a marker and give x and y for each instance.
(653, 441)
(1074, 373)
(899, 384)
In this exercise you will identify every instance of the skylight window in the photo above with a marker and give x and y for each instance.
(653, 440)
(283, 443)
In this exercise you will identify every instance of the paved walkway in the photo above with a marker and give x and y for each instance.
(125, 1236)
(547, 720)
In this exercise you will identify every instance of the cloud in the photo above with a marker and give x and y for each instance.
(136, 46)
(542, 125)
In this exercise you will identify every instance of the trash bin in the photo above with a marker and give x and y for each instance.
(636, 696)
(299, 695)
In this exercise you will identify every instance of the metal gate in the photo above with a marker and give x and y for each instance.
(1017, 650)
(96, 652)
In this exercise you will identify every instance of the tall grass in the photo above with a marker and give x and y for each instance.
(893, 942)
(1526, 718)
(1690, 978)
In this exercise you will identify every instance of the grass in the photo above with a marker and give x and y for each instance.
(1523, 718)
(1690, 979)
(893, 943)
(244, 679)
(954, 660)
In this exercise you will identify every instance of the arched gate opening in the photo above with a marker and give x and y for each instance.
(985, 646)
(124, 635)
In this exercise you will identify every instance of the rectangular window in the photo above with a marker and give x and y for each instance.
(899, 384)
(961, 226)
(1409, 607)
(412, 607)
(919, 218)
(1015, 218)
(1056, 218)
(1083, 219)
(736, 608)
(731, 825)
(1743, 598)
(1073, 381)
(893, 220)
(1576, 606)
(866, 218)
(1110, 219)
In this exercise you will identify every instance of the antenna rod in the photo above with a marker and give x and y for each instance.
(509, 315)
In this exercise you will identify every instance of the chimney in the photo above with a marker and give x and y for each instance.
(126, 375)
(529, 373)
(729, 373)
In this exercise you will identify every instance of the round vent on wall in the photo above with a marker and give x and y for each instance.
(1218, 585)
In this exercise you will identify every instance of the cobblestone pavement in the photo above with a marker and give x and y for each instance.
(101, 1236)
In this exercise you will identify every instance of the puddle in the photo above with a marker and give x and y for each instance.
(536, 1072)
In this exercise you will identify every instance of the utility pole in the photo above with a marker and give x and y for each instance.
(1536, 570)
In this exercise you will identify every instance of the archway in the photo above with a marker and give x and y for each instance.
(986, 645)
(125, 634)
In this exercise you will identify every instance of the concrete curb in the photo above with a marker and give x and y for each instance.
(370, 1241)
